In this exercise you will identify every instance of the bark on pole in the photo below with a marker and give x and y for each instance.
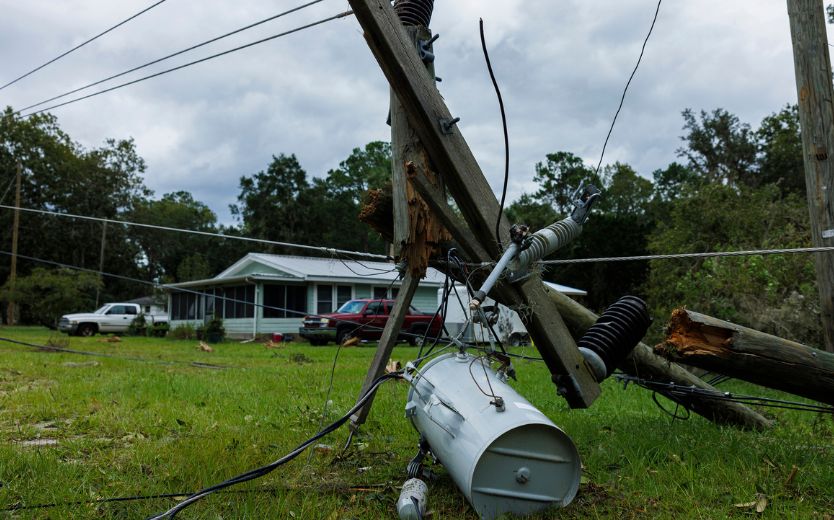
(643, 363)
(815, 94)
(720, 346)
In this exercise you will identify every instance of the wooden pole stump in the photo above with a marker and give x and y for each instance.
(720, 346)
(643, 363)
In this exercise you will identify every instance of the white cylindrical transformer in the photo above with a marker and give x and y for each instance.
(505, 459)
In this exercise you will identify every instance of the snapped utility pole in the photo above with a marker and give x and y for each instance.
(450, 154)
(416, 232)
(815, 94)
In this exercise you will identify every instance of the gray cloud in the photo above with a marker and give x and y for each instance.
(562, 66)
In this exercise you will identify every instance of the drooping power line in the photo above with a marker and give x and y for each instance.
(169, 56)
(99, 35)
(326, 250)
(195, 62)
(628, 84)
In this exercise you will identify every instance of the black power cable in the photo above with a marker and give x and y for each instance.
(625, 90)
(506, 135)
(53, 60)
(680, 394)
(195, 62)
(172, 55)
(50, 348)
(264, 470)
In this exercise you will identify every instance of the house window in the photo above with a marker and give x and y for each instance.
(228, 302)
(380, 293)
(296, 301)
(209, 296)
(344, 293)
(185, 306)
(285, 301)
(395, 291)
(324, 299)
(235, 302)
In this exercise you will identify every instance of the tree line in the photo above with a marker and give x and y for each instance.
(734, 187)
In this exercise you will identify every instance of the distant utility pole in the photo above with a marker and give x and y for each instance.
(10, 318)
(815, 92)
(101, 259)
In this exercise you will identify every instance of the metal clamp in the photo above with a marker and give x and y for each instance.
(424, 48)
(447, 125)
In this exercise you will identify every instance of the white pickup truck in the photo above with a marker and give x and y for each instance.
(112, 317)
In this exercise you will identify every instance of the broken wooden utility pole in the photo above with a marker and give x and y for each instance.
(815, 93)
(644, 364)
(416, 232)
(449, 153)
(11, 310)
(478, 244)
(726, 348)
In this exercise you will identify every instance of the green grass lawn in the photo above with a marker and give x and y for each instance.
(78, 428)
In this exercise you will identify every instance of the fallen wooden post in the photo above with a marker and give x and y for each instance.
(643, 363)
(720, 346)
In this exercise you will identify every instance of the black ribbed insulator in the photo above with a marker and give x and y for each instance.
(414, 12)
(617, 331)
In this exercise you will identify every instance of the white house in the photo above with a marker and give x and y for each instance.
(262, 294)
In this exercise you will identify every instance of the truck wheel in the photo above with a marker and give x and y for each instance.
(318, 342)
(343, 335)
(86, 330)
(516, 339)
(416, 336)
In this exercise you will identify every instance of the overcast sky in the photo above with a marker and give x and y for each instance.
(562, 65)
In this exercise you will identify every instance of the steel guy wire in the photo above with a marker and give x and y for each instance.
(329, 250)
(53, 60)
(625, 90)
(169, 56)
(717, 254)
(195, 62)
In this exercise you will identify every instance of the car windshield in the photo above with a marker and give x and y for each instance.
(352, 307)
(102, 310)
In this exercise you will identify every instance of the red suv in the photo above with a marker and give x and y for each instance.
(365, 319)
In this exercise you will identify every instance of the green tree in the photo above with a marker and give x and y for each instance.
(673, 181)
(529, 211)
(281, 204)
(342, 193)
(165, 251)
(364, 169)
(559, 177)
(780, 151)
(719, 147)
(60, 175)
(47, 294)
(774, 293)
(618, 226)
(626, 192)
(274, 204)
